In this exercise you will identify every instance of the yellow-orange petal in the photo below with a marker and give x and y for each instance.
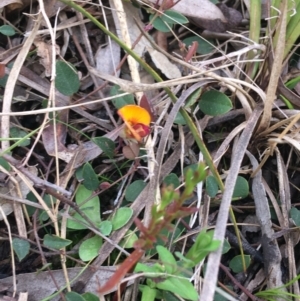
(135, 115)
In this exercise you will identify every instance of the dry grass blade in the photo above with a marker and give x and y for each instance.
(214, 258)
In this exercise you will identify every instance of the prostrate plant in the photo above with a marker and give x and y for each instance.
(171, 274)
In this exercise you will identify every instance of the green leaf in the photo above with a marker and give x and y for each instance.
(171, 179)
(295, 215)
(89, 249)
(107, 145)
(226, 246)
(129, 239)
(167, 259)
(15, 132)
(56, 242)
(121, 217)
(105, 227)
(159, 24)
(204, 46)
(121, 101)
(90, 297)
(134, 190)
(91, 208)
(90, 179)
(241, 188)
(212, 186)
(21, 247)
(4, 164)
(148, 294)
(72, 296)
(173, 17)
(193, 97)
(66, 80)
(236, 263)
(7, 30)
(179, 119)
(181, 287)
(214, 103)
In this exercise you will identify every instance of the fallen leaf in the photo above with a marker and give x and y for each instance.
(170, 70)
(12, 4)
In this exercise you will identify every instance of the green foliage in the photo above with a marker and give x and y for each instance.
(72, 296)
(171, 179)
(106, 144)
(211, 186)
(121, 217)
(121, 101)
(21, 247)
(89, 249)
(295, 216)
(7, 30)
(203, 245)
(20, 136)
(4, 164)
(165, 21)
(204, 46)
(241, 188)
(90, 297)
(91, 209)
(56, 242)
(105, 227)
(179, 119)
(66, 80)
(214, 103)
(129, 239)
(90, 179)
(236, 263)
(134, 190)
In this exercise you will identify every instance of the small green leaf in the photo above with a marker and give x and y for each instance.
(179, 119)
(105, 227)
(134, 190)
(90, 179)
(193, 97)
(15, 132)
(241, 189)
(90, 297)
(121, 217)
(72, 296)
(7, 30)
(214, 103)
(295, 216)
(129, 239)
(159, 24)
(4, 164)
(91, 208)
(220, 297)
(121, 101)
(204, 46)
(66, 80)
(89, 249)
(167, 259)
(181, 287)
(21, 247)
(212, 186)
(148, 293)
(171, 179)
(226, 246)
(56, 242)
(107, 145)
(173, 17)
(236, 263)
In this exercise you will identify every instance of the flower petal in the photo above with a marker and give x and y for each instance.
(135, 115)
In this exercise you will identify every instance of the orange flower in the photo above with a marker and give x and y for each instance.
(137, 121)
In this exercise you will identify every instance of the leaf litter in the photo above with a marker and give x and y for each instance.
(257, 139)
